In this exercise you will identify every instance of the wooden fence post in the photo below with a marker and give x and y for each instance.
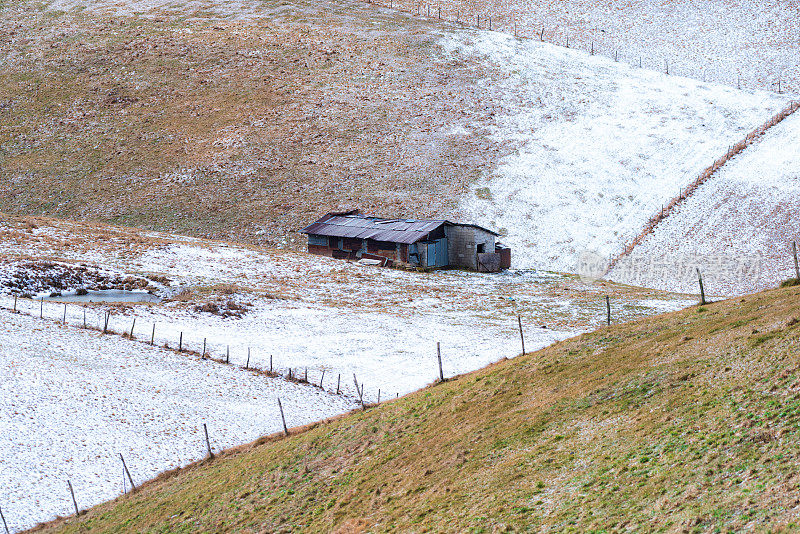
(153, 334)
(180, 343)
(15, 304)
(130, 479)
(541, 35)
(64, 318)
(133, 325)
(321, 379)
(105, 323)
(208, 442)
(794, 253)
(270, 363)
(608, 311)
(338, 382)
(228, 354)
(360, 391)
(74, 502)
(247, 365)
(203, 357)
(41, 308)
(84, 317)
(702, 291)
(5, 525)
(283, 418)
(439, 357)
(379, 395)
(521, 335)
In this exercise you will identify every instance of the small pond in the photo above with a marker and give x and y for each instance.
(106, 295)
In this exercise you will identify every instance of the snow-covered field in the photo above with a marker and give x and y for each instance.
(392, 352)
(748, 42)
(601, 146)
(737, 227)
(306, 311)
(73, 400)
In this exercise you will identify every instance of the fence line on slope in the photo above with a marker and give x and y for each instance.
(704, 176)
(38, 312)
(502, 24)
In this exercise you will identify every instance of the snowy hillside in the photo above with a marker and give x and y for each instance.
(737, 227)
(77, 398)
(752, 43)
(73, 400)
(601, 145)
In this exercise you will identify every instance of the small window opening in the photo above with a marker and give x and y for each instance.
(481, 248)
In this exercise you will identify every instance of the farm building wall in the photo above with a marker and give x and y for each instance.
(344, 248)
(465, 245)
(433, 253)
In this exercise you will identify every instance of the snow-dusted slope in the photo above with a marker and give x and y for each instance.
(601, 145)
(72, 400)
(737, 227)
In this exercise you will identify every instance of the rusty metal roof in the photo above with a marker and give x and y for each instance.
(359, 226)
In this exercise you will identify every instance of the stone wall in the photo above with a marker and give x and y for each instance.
(463, 245)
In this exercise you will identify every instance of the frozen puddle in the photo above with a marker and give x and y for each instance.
(108, 295)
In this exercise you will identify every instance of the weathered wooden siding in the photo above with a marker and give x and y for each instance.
(463, 245)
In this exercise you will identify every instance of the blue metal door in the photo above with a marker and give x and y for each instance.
(441, 252)
(430, 255)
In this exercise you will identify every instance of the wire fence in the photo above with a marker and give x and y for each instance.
(102, 320)
(512, 21)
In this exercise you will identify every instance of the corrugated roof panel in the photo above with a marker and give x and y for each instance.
(363, 227)
(409, 237)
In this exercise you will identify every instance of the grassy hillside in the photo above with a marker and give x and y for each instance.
(684, 420)
(241, 129)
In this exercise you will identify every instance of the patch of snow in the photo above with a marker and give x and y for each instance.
(737, 228)
(74, 399)
(600, 146)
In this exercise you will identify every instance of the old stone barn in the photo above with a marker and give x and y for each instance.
(417, 243)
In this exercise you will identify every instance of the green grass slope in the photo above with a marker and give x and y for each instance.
(683, 421)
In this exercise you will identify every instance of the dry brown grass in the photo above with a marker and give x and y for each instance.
(686, 421)
(234, 130)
